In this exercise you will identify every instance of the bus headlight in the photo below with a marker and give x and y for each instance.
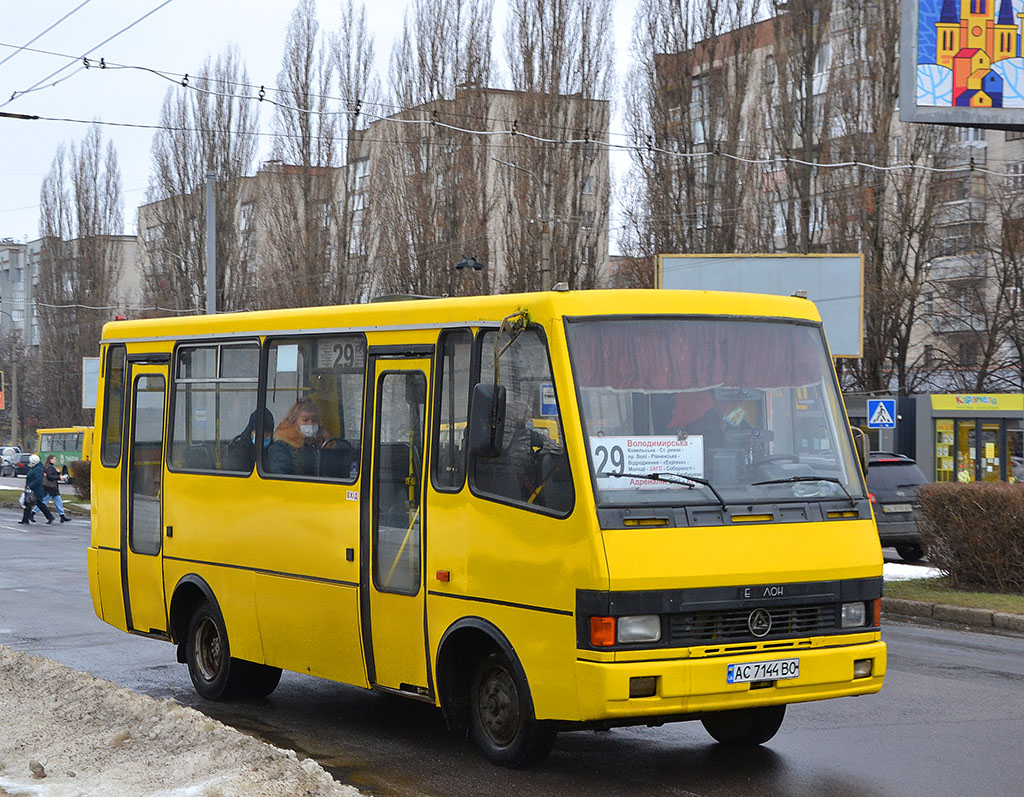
(639, 628)
(854, 615)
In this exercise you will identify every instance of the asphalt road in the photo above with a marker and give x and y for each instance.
(949, 720)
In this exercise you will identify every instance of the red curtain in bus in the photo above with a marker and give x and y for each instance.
(694, 354)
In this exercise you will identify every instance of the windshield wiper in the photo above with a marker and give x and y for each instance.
(689, 482)
(831, 479)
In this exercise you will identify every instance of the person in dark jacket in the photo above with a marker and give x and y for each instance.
(34, 482)
(51, 488)
(297, 440)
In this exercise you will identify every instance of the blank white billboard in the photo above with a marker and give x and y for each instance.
(835, 283)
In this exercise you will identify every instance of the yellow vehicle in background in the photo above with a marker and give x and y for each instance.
(67, 443)
(540, 512)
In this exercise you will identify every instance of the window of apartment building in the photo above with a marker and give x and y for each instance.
(823, 59)
(324, 213)
(1015, 180)
(17, 315)
(245, 216)
(953, 188)
(361, 173)
(968, 350)
(967, 135)
(355, 234)
(590, 150)
(956, 239)
(588, 218)
(588, 185)
(928, 304)
(1015, 135)
(929, 355)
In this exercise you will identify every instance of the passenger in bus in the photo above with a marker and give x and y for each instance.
(242, 449)
(297, 440)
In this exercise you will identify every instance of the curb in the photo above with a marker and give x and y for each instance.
(958, 615)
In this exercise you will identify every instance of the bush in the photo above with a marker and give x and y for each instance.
(975, 534)
(81, 478)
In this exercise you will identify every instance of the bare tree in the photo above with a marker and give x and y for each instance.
(691, 107)
(360, 88)
(81, 213)
(298, 200)
(560, 55)
(430, 192)
(210, 125)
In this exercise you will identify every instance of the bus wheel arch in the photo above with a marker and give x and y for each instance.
(189, 593)
(484, 694)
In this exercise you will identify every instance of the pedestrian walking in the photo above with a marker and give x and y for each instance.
(51, 488)
(34, 482)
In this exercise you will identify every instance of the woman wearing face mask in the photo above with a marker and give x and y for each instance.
(297, 440)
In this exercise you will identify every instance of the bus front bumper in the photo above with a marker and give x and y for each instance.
(697, 685)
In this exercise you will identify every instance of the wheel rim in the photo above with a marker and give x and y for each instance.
(206, 643)
(498, 706)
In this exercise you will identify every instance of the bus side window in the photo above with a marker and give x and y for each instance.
(214, 404)
(314, 392)
(455, 354)
(533, 468)
(113, 406)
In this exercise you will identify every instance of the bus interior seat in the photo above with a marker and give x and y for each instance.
(198, 456)
(336, 462)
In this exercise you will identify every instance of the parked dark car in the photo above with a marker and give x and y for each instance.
(21, 464)
(893, 484)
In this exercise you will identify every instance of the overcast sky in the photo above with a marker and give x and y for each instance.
(176, 37)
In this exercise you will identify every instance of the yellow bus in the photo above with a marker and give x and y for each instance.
(67, 443)
(373, 494)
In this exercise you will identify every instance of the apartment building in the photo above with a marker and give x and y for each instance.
(419, 192)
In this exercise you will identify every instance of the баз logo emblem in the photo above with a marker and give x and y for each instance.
(759, 622)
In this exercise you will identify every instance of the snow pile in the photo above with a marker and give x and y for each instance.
(67, 734)
(893, 571)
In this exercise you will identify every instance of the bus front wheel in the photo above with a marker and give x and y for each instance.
(206, 650)
(744, 726)
(502, 721)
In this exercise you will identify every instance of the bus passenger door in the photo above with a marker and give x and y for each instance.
(394, 622)
(142, 578)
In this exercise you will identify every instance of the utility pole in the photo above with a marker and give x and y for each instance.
(545, 226)
(211, 244)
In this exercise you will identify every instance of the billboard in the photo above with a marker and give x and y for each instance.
(961, 62)
(835, 283)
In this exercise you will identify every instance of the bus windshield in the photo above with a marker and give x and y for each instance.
(748, 408)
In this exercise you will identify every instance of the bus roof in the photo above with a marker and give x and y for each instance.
(465, 310)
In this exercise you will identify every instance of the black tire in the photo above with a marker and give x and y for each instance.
(502, 724)
(744, 727)
(214, 673)
(910, 552)
(255, 680)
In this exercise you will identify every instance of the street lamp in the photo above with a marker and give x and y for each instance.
(469, 262)
(545, 220)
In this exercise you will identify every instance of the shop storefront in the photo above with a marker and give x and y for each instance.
(961, 437)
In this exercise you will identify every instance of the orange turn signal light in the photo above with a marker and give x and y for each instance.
(877, 611)
(602, 631)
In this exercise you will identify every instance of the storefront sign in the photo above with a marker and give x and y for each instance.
(979, 402)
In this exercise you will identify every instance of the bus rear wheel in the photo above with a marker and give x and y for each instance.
(255, 680)
(501, 718)
(213, 672)
(744, 727)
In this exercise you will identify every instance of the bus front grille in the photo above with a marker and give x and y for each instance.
(689, 628)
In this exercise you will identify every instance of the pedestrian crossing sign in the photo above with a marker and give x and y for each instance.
(881, 413)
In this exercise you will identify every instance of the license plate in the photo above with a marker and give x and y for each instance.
(898, 508)
(763, 671)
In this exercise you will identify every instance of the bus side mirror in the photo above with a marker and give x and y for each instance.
(487, 421)
(860, 440)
